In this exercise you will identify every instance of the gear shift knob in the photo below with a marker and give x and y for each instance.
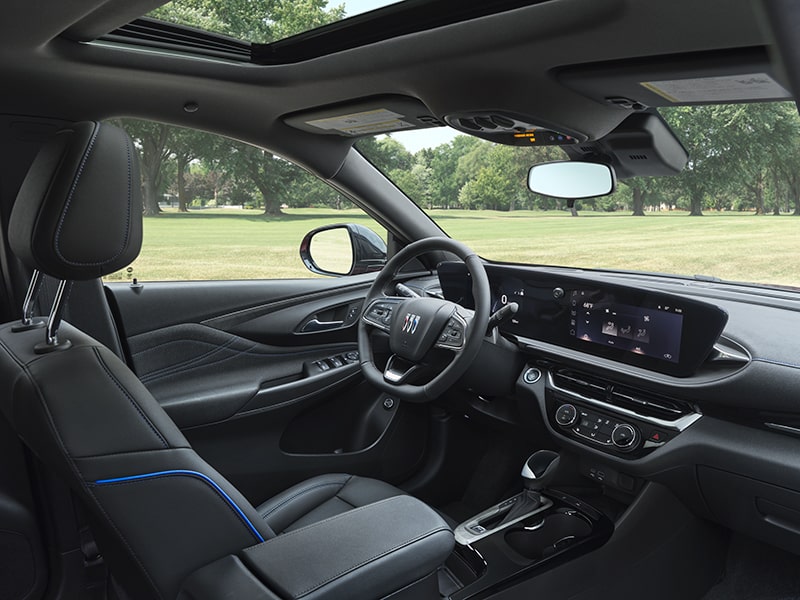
(540, 469)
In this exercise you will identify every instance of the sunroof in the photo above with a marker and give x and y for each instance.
(275, 32)
(262, 21)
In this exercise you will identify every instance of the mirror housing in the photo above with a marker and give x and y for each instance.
(365, 252)
(572, 179)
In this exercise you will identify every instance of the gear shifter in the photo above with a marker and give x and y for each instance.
(537, 474)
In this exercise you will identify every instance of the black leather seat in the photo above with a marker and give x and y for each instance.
(158, 510)
(320, 498)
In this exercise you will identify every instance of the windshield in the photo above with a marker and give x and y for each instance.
(731, 214)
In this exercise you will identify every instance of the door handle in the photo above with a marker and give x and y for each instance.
(317, 325)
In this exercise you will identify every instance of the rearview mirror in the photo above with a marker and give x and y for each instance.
(343, 249)
(572, 180)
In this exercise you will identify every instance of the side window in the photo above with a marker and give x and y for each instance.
(215, 208)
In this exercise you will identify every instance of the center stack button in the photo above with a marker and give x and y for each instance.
(566, 415)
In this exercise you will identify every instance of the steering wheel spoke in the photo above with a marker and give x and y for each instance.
(379, 312)
(398, 370)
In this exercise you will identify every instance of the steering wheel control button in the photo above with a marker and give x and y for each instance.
(452, 336)
(624, 436)
(566, 415)
(531, 376)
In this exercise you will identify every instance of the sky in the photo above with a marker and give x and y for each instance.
(412, 140)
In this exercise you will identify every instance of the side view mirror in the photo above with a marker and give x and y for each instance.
(572, 180)
(343, 249)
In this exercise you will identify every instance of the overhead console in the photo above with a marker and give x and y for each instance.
(655, 331)
(512, 129)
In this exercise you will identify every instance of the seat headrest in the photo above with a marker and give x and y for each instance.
(78, 213)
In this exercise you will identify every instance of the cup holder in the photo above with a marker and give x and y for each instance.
(554, 533)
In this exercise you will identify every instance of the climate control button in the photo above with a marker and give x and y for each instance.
(624, 436)
(566, 415)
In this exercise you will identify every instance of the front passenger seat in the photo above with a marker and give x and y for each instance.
(158, 510)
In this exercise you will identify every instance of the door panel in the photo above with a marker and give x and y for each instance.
(263, 378)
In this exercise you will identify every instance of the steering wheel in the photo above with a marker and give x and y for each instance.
(417, 325)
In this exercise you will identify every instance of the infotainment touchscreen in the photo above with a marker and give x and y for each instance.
(653, 331)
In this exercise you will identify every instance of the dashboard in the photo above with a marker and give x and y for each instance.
(688, 383)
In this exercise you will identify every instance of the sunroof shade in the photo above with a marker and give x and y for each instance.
(262, 21)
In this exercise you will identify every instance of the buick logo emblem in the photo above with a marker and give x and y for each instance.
(410, 323)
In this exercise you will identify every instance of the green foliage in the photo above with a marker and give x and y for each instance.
(258, 21)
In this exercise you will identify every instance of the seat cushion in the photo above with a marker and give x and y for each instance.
(322, 497)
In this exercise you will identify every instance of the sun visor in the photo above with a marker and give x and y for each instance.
(742, 75)
(642, 145)
(370, 116)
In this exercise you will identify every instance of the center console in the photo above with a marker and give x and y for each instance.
(534, 530)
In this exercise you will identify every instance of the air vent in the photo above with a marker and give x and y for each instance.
(583, 384)
(638, 157)
(644, 402)
(638, 401)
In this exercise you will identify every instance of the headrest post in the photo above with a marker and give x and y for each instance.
(33, 291)
(51, 342)
(27, 322)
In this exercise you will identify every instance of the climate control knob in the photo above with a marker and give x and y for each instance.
(566, 415)
(624, 436)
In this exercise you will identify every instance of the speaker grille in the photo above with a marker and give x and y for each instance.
(17, 569)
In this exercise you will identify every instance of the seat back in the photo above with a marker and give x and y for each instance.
(158, 510)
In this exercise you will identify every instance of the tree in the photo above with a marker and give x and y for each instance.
(270, 175)
(386, 153)
(151, 140)
(701, 133)
(187, 145)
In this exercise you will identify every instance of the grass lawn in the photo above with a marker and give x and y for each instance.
(236, 244)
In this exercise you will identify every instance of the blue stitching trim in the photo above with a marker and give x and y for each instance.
(200, 476)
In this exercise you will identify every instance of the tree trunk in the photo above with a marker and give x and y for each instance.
(150, 182)
(696, 205)
(638, 201)
(758, 192)
(573, 209)
(271, 206)
(181, 177)
(150, 197)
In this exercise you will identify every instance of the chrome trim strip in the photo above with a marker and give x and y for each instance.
(465, 537)
(784, 428)
(677, 425)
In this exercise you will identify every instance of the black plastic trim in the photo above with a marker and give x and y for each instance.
(154, 33)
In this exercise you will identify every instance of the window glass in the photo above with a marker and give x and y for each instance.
(215, 208)
(731, 214)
